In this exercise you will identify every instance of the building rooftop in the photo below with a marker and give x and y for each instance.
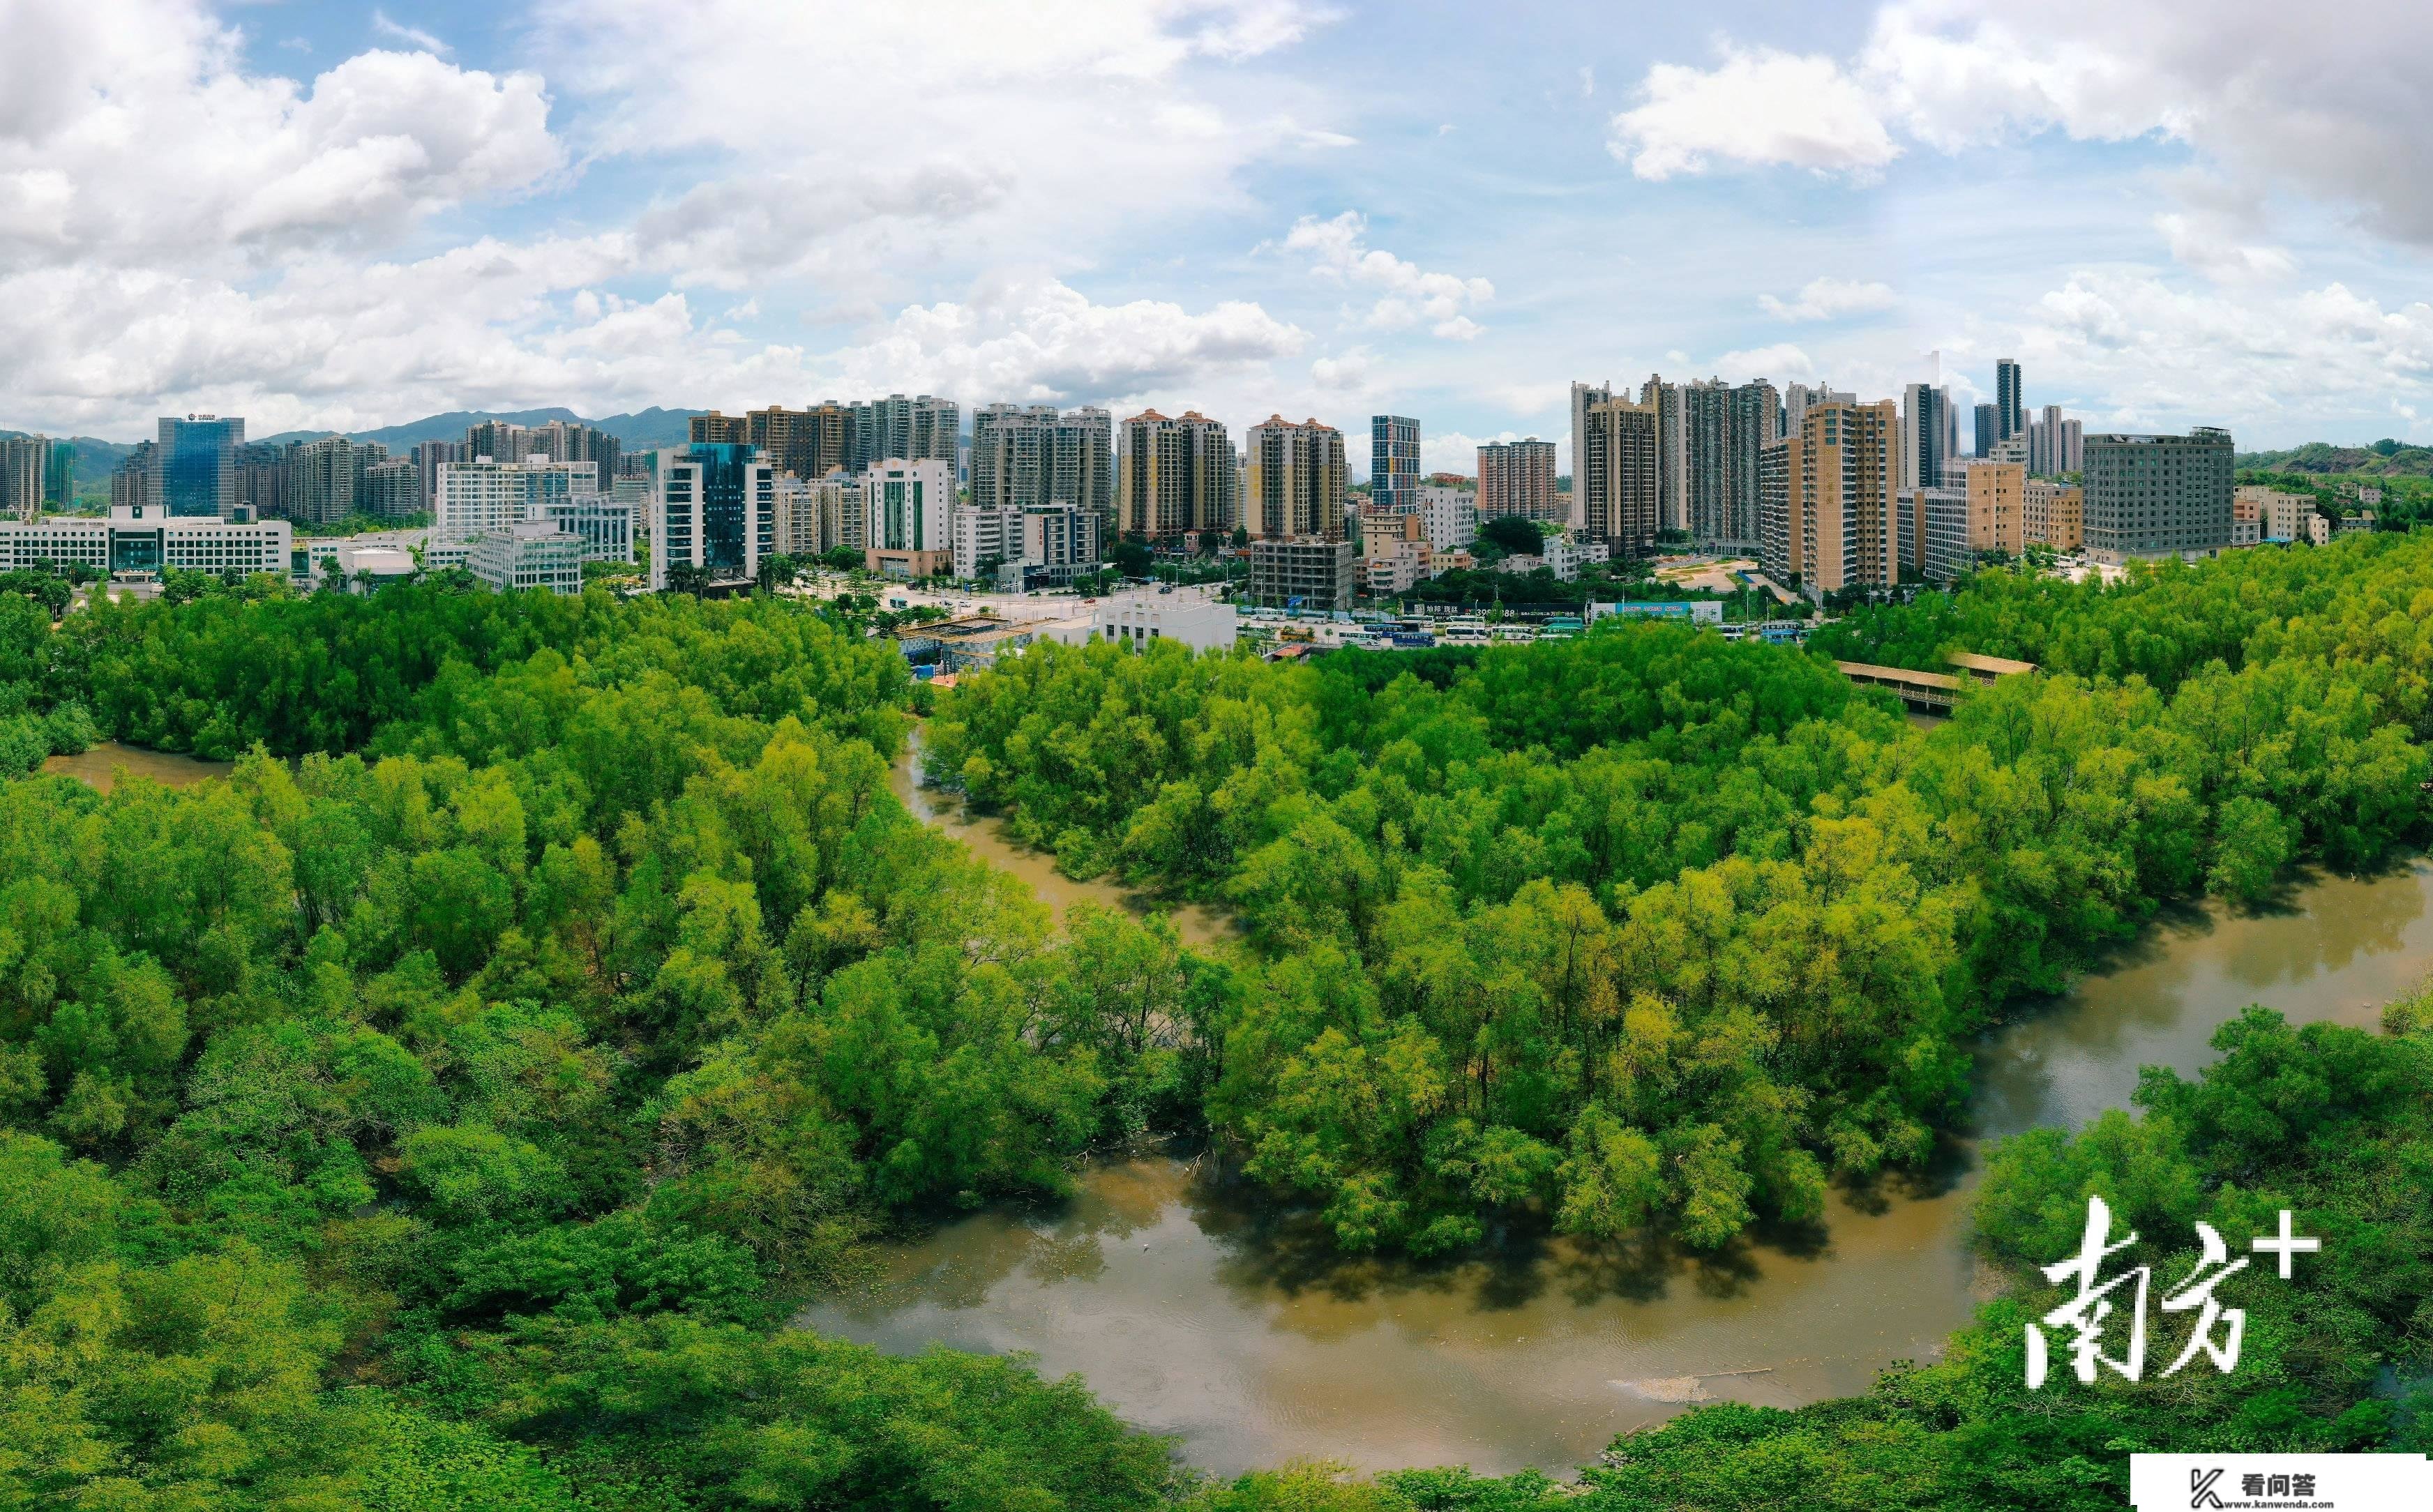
(1997, 666)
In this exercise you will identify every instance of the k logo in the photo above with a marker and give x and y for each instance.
(2201, 1491)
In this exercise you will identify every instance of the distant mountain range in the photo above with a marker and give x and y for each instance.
(2388, 459)
(653, 427)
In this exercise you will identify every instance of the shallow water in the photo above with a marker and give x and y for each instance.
(1193, 1309)
(1196, 924)
(99, 766)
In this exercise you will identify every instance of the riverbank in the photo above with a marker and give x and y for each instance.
(1197, 924)
(1203, 1311)
(100, 764)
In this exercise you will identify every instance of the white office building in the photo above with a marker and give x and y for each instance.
(1137, 619)
(485, 493)
(908, 506)
(604, 523)
(984, 538)
(535, 555)
(715, 509)
(1449, 516)
(143, 539)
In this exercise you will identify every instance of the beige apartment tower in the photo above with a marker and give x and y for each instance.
(1827, 499)
(1617, 478)
(1174, 476)
(1294, 480)
(1518, 477)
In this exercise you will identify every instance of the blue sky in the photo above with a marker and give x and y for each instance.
(344, 216)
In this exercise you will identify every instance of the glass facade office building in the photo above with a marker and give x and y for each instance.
(193, 465)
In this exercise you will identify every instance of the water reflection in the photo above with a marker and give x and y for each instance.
(2341, 948)
(1194, 1308)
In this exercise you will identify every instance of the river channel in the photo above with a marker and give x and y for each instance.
(100, 764)
(1192, 1308)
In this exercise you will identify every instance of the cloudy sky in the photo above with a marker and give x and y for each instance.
(331, 214)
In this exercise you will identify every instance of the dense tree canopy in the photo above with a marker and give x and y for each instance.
(446, 1108)
(1647, 926)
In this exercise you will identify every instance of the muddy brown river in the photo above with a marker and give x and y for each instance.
(99, 765)
(1193, 1309)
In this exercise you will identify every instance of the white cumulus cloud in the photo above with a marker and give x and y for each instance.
(2326, 104)
(1754, 108)
(1409, 294)
(1830, 299)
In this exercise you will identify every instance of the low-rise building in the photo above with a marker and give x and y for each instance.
(985, 539)
(143, 539)
(1302, 571)
(2281, 516)
(1395, 555)
(2055, 514)
(536, 554)
(1197, 621)
(603, 522)
(2360, 523)
(1695, 611)
(368, 568)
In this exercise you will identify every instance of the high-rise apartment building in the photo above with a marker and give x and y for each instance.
(391, 489)
(1518, 477)
(499, 440)
(713, 429)
(1722, 428)
(1394, 462)
(573, 441)
(132, 481)
(193, 465)
(325, 478)
(1025, 457)
(1926, 426)
(1796, 397)
(1989, 430)
(1777, 548)
(24, 476)
(2056, 445)
(1174, 476)
(811, 443)
(2158, 495)
(1672, 502)
(1831, 501)
(1616, 477)
(1084, 474)
(1583, 395)
(427, 456)
(816, 516)
(714, 511)
(1294, 480)
(2010, 407)
(900, 428)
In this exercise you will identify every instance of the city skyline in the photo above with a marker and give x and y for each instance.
(332, 219)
